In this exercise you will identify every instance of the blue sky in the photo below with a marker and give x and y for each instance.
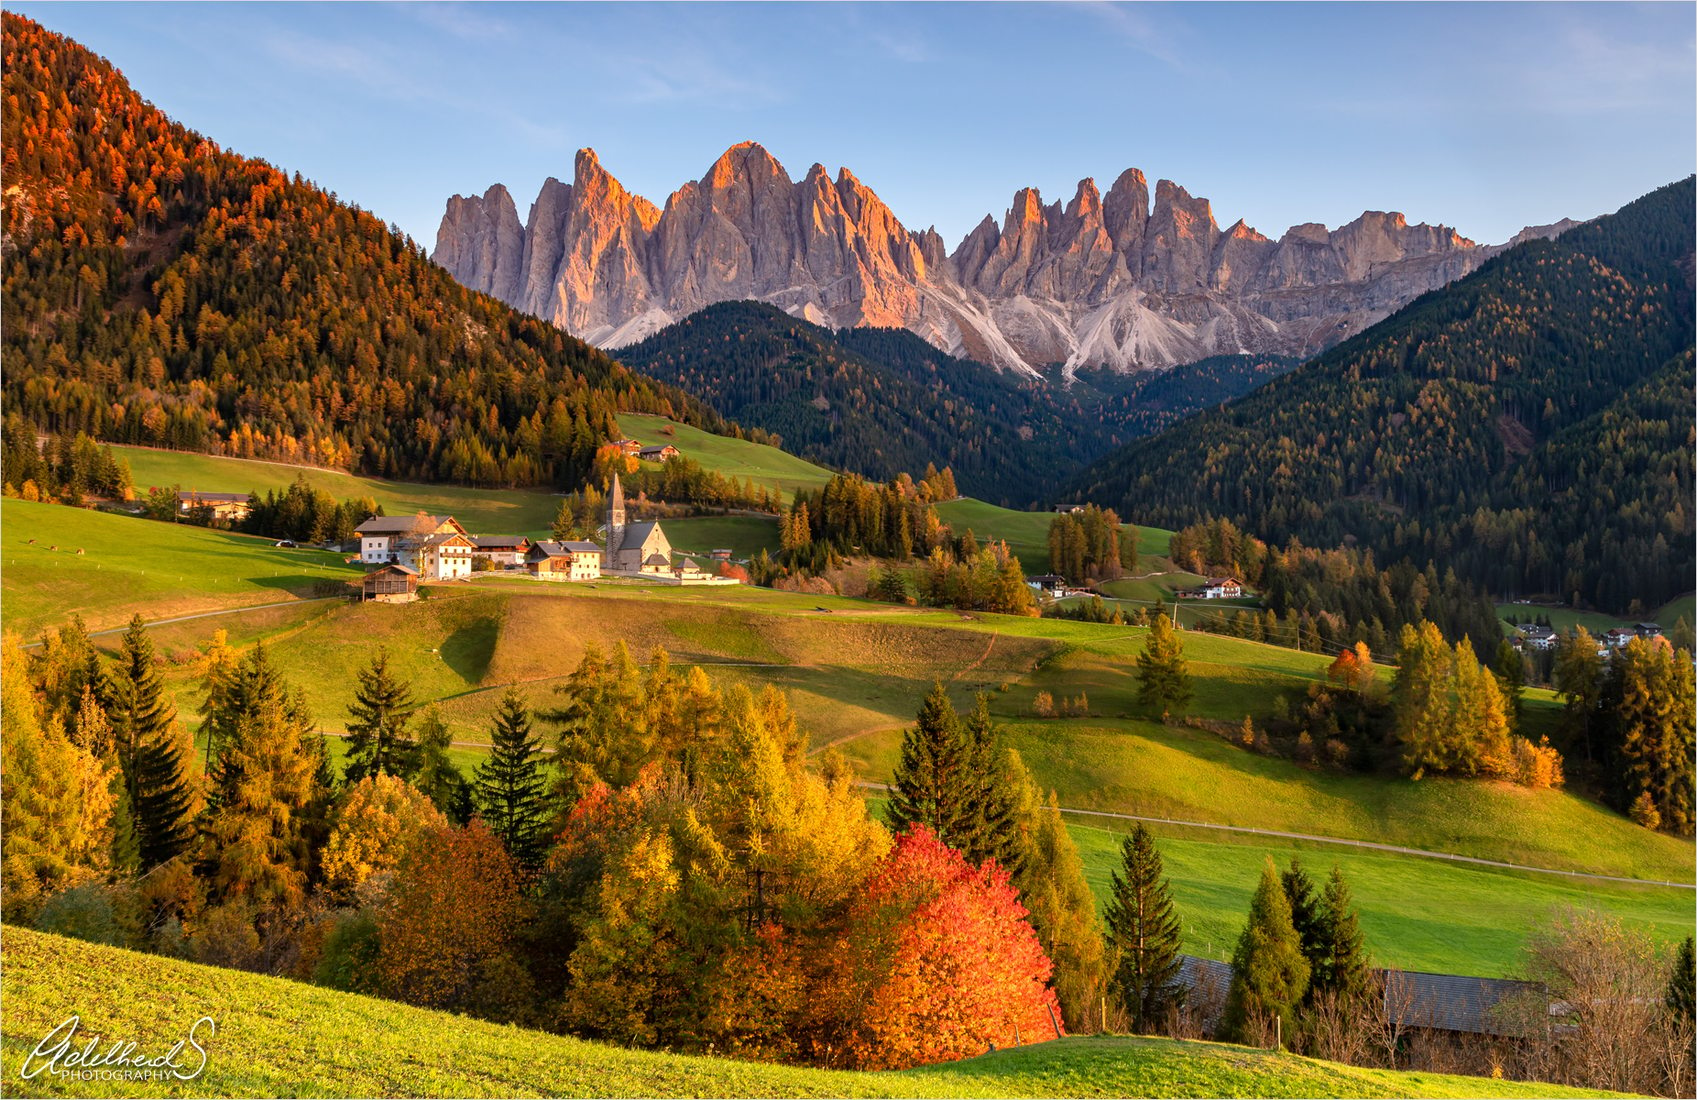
(1485, 117)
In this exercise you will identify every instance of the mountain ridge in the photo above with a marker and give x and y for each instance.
(1102, 280)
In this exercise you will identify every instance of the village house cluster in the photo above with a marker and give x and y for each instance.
(1536, 636)
(402, 551)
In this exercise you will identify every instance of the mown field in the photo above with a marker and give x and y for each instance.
(732, 457)
(1027, 533)
(280, 1038)
(129, 565)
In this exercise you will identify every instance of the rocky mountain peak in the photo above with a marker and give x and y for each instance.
(1102, 280)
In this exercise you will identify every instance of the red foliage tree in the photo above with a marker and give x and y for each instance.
(945, 963)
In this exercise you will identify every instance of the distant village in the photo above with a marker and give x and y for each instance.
(401, 552)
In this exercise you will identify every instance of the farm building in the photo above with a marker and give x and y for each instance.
(663, 453)
(445, 556)
(225, 507)
(500, 550)
(390, 584)
(380, 536)
(564, 561)
(1050, 584)
(628, 447)
(1218, 588)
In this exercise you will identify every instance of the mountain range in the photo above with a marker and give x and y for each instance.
(1104, 280)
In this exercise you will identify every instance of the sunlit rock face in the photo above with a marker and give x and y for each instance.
(1099, 281)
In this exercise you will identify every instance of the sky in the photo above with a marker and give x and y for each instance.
(1484, 117)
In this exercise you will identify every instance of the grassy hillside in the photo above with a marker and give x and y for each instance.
(1027, 533)
(280, 1038)
(492, 511)
(736, 458)
(130, 565)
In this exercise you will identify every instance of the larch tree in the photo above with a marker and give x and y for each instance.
(377, 729)
(255, 845)
(511, 788)
(1144, 935)
(1163, 685)
(1269, 972)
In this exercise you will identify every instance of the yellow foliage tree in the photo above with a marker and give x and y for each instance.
(381, 818)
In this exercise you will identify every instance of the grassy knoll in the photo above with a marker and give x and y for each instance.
(1027, 533)
(1682, 607)
(483, 511)
(130, 565)
(736, 458)
(744, 536)
(1417, 914)
(281, 1038)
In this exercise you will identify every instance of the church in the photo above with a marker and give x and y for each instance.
(633, 547)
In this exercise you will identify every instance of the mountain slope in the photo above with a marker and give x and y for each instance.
(160, 290)
(275, 1038)
(1102, 281)
(882, 401)
(1466, 428)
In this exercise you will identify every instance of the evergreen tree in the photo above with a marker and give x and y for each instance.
(933, 778)
(144, 725)
(1682, 982)
(996, 802)
(1269, 972)
(255, 844)
(1510, 670)
(1649, 709)
(1340, 963)
(1144, 935)
(1305, 914)
(511, 788)
(1578, 677)
(1163, 684)
(436, 775)
(377, 733)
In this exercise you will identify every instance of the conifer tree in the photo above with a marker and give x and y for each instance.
(1162, 682)
(253, 685)
(437, 776)
(1682, 983)
(1144, 934)
(1305, 915)
(995, 826)
(1340, 963)
(933, 778)
(144, 725)
(511, 789)
(1650, 711)
(1510, 670)
(1269, 972)
(255, 844)
(377, 733)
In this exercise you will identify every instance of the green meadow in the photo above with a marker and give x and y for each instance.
(736, 458)
(275, 1037)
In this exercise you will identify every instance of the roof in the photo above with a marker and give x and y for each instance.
(658, 447)
(656, 559)
(635, 534)
(580, 546)
(393, 568)
(1046, 578)
(497, 542)
(214, 498)
(1214, 582)
(446, 537)
(551, 549)
(1450, 1002)
(1650, 626)
(395, 525)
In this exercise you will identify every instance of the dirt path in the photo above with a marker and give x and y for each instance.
(1367, 844)
(205, 615)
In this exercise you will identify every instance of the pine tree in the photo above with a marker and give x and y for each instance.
(511, 789)
(1269, 972)
(437, 776)
(933, 778)
(996, 833)
(1163, 684)
(1144, 934)
(377, 733)
(144, 726)
(254, 685)
(1340, 965)
(1510, 670)
(1305, 915)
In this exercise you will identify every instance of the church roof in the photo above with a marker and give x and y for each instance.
(635, 534)
(656, 559)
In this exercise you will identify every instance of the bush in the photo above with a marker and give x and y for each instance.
(1044, 705)
(348, 961)
(225, 936)
(1537, 766)
(83, 913)
(1644, 812)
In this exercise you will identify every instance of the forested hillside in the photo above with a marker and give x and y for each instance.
(1529, 426)
(161, 290)
(882, 401)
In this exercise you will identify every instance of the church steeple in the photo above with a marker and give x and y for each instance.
(615, 516)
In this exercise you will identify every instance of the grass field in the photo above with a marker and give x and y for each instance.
(1565, 618)
(130, 565)
(483, 511)
(736, 458)
(1027, 533)
(744, 536)
(279, 1038)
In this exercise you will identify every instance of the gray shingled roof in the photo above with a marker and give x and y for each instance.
(636, 534)
(498, 542)
(656, 558)
(581, 547)
(214, 498)
(394, 525)
(1450, 1002)
(552, 549)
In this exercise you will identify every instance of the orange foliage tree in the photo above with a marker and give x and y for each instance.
(942, 961)
(446, 932)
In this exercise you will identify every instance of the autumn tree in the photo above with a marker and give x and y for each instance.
(255, 843)
(511, 788)
(1144, 935)
(1162, 682)
(379, 821)
(1648, 708)
(1269, 971)
(377, 728)
(448, 927)
(930, 991)
(1578, 677)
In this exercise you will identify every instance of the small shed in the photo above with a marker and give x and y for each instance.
(390, 584)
